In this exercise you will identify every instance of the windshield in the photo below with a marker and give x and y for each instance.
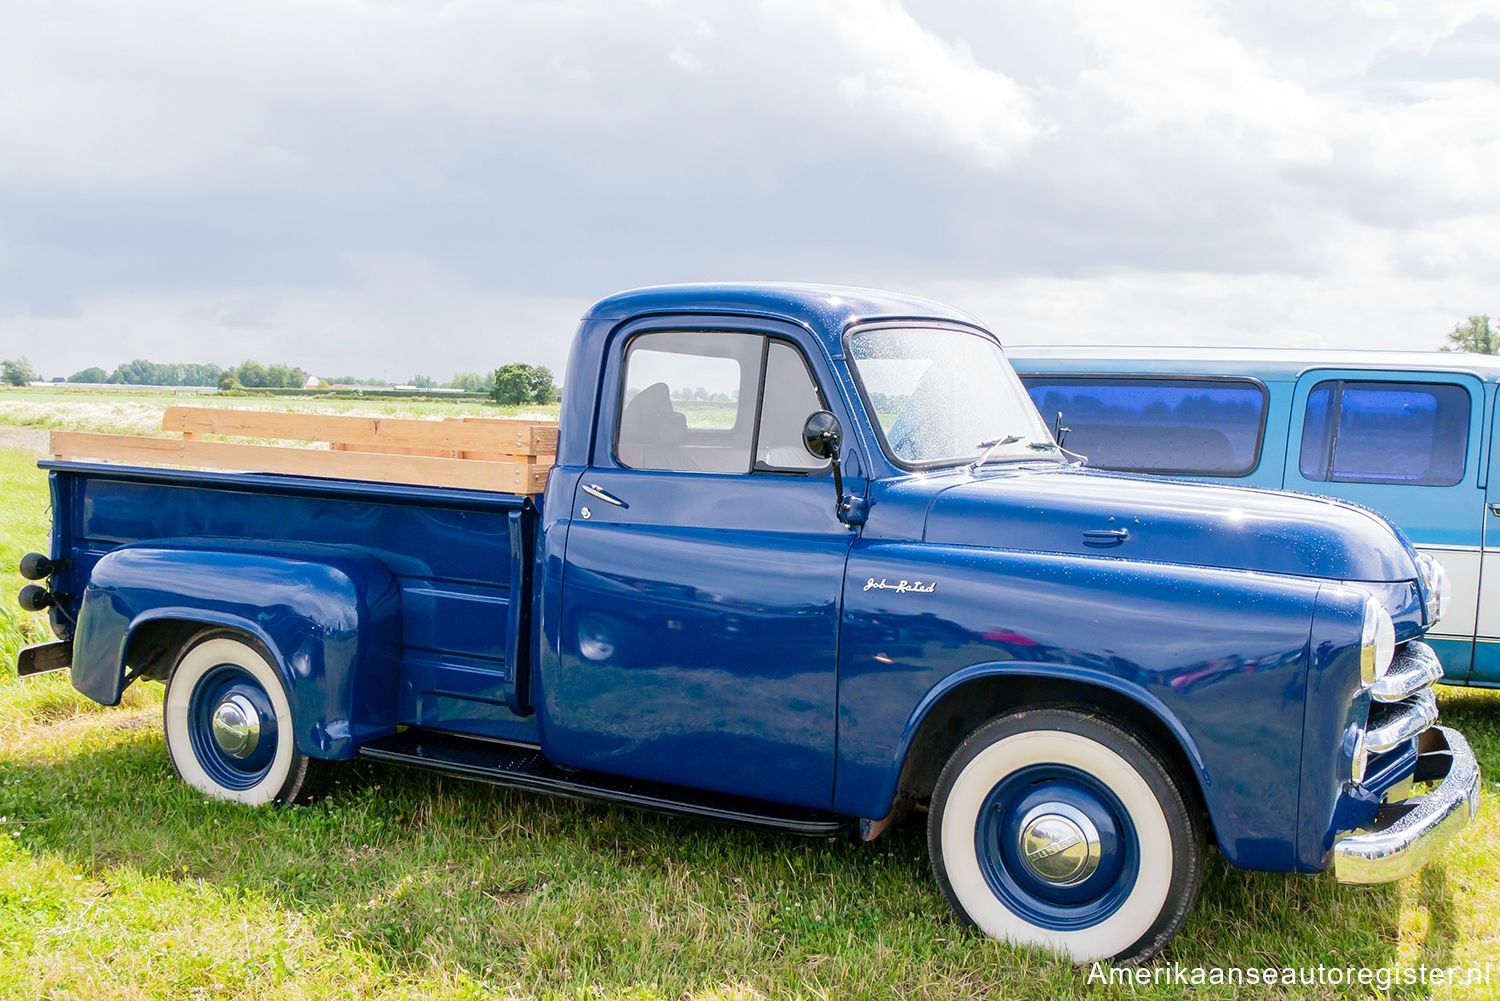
(944, 397)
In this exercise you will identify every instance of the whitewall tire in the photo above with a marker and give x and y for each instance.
(1058, 829)
(229, 725)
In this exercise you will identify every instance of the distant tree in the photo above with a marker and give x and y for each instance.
(140, 372)
(423, 381)
(95, 374)
(227, 382)
(511, 384)
(519, 383)
(133, 373)
(1474, 334)
(543, 389)
(470, 382)
(16, 371)
(251, 374)
(198, 375)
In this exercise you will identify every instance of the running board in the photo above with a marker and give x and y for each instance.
(523, 767)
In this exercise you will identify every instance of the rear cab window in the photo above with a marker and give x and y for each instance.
(1187, 426)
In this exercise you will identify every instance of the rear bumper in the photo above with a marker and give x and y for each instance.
(44, 657)
(1406, 835)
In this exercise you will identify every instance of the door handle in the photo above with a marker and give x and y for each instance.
(599, 493)
(1105, 536)
(1495, 509)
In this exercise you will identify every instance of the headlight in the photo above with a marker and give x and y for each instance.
(1377, 642)
(1437, 590)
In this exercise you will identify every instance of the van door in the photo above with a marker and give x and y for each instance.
(1408, 445)
(1486, 669)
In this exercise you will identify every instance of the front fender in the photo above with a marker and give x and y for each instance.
(330, 619)
(1218, 657)
(1077, 674)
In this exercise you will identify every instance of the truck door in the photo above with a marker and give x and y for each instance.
(1408, 445)
(704, 571)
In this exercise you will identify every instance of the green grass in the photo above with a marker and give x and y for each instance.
(117, 881)
(140, 412)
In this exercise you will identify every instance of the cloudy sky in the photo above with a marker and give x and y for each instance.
(392, 188)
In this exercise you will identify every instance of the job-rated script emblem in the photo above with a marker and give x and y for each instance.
(902, 586)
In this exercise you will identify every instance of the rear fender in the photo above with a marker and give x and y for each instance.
(329, 618)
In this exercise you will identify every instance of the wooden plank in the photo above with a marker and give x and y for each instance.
(441, 453)
(473, 474)
(496, 436)
(542, 437)
(447, 453)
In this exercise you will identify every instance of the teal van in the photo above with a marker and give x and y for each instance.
(1409, 434)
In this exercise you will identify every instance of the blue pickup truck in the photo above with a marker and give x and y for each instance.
(809, 560)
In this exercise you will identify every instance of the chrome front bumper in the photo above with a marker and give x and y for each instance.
(1407, 834)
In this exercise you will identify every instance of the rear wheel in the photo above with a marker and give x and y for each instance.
(229, 725)
(1059, 829)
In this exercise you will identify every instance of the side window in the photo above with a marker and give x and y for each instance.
(790, 396)
(1205, 427)
(1385, 432)
(689, 402)
(695, 401)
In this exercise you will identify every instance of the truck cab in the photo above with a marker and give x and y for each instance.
(808, 558)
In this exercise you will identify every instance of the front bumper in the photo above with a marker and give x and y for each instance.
(1406, 835)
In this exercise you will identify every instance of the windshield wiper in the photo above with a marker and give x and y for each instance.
(990, 447)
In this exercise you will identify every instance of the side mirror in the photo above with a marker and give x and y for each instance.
(822, 435)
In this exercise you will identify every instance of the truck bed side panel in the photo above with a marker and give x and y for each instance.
(450, 552)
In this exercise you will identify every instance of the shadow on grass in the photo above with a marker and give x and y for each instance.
(539, 892)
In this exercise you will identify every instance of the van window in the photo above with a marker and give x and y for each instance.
(1385, 432)
(1206, 427)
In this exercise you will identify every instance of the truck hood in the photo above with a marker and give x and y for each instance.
(1085, 512)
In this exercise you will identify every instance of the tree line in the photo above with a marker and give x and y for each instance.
(513, 384)
(249, 374)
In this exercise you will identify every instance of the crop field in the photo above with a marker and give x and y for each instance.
(118, 882)
(139, 412)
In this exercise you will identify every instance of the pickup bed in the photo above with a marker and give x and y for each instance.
(807, 559)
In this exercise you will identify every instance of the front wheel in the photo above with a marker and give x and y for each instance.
(1066, 831)
(229, 725)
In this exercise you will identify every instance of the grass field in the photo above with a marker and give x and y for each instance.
(116, 881)
(128, 412)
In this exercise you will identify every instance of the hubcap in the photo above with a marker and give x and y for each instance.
(1056, 846)
(236, 726)
(1059, 844)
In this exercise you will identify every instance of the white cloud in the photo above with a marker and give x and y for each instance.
(928, 88)
(1366, 310)
(397, 323)
(228, 174)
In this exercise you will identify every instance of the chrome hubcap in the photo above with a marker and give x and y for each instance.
(236, 726)
(1059, 844)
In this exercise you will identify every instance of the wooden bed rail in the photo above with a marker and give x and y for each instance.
(502, 454)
